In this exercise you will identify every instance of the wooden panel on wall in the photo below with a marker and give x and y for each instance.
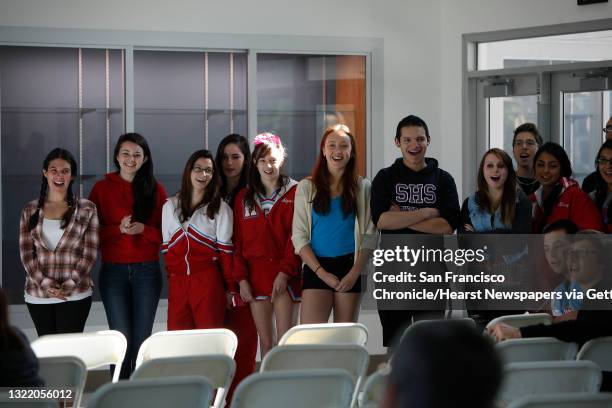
(351, 99)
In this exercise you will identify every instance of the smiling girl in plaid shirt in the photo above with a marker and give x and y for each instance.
(58, 244)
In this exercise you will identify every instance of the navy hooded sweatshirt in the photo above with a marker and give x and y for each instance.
(411, 190)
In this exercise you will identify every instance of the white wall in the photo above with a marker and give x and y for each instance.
(422, 40)
(410, 30)
(473, 16)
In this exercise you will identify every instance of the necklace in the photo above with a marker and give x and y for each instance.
(526, 183)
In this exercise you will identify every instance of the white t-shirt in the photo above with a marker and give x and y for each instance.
(51, 232)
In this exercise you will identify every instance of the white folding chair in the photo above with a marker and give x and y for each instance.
(564, 401)
(153, 393)
(326, 333)
(522, 320)
(598, 351)
(536, 349)
(373, 390)
(526, 379)
(95, 349)
(218, 369)
(64, 372)
(182, 343)
(350, 357)
(325, 388)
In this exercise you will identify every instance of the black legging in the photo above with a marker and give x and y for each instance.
(64, 317)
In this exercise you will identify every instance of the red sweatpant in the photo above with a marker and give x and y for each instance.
(196, 301)
(240, 321)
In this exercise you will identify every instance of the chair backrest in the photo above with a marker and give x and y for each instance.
(153, 393)
(525, 379)
(218, 369)
(325, 388)
(522, 320)
(64, 372)
(326, 333)
(536, 349)
(7, 402)
(564, 401)
(181, 343)
(350, 357)
(599, 351)
(95, 349)
(373, 390)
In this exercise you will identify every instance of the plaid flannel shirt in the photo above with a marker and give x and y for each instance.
(68, 267)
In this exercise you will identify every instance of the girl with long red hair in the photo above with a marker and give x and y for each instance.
(331, 222)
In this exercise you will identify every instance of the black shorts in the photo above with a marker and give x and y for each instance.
(339, 266)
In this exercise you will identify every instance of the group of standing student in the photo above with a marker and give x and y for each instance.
(232, 233)
(414, 196)
(228, 237)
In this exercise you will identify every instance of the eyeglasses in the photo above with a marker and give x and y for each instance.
(607, 129)
(602, 162)
(528, 143)
(208, 170)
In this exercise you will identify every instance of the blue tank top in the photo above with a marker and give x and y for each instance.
(333, 234)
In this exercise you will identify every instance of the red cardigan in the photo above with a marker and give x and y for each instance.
(114, 199)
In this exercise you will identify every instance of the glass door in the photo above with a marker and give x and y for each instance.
(584, 106)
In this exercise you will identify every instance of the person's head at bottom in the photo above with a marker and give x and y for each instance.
(443, 364)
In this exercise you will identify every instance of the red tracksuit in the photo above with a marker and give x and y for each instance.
(263, 245)
(239, 319)
(198, 257)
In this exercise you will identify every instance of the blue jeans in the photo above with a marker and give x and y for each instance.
(130, 293)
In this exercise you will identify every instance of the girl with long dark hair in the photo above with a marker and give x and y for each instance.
(233, 160)
(602, 195)
(129, 203)
(58, 244)
(330, 221)
(559, 196)
(197, 233)
(497, 206)
(265, 263)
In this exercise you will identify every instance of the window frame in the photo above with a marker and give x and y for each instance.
(474, 125)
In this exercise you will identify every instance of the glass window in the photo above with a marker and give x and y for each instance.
(506, 114)
(558, 49)
(298, 96)
(189, 100)
(584, 116)
(40, 110)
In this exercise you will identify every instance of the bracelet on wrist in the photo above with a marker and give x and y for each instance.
(318, 267)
